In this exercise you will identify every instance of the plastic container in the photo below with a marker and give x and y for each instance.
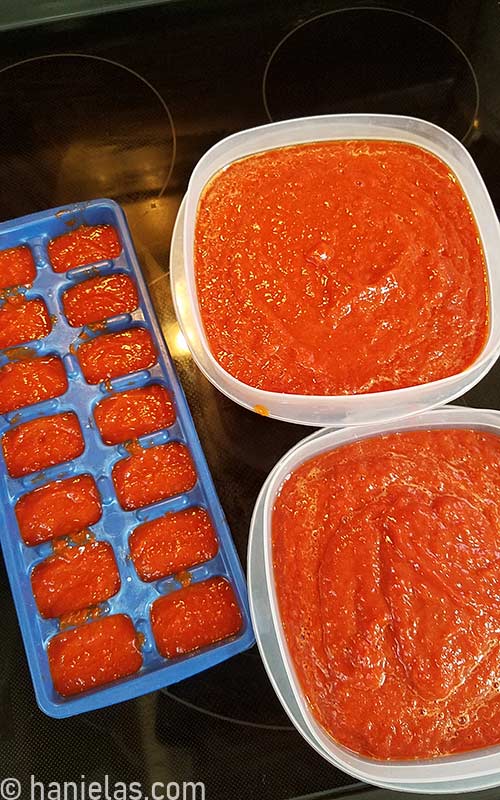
(267, 642)
(472, 766)
(115, 526)
(346, 409)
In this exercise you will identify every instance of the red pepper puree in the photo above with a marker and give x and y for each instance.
(194, 617)
(153, 474)
(172, 543)
(75, 578)
(135, 413)
(41, 443)
(17, 267)
(100, 298)
(31, 380)
(387, 570)
(115, 354)
(94, 654)
(85, 245)
(61, 508)
(340, 267)
(22, 321)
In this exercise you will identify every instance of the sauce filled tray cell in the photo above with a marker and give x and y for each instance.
(120, 561)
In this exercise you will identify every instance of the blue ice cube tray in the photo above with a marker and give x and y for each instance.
(115, 526)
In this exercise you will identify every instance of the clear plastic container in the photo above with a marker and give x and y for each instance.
(269, 649)
(471, 767)
(341, 409)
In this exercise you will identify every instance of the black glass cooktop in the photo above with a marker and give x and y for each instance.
(122, 106)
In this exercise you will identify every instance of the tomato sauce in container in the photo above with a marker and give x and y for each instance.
(114, 354)
(129, 415)
(85, 245)
(94, 654)
(61, 508)
(17, 267)
(75, 578)
(172, 543)
(195, 616)
(309, 255)
(31, 380)
(41, 443)
(99, 298)
(320, 266)
(153, 474)
(385, 567)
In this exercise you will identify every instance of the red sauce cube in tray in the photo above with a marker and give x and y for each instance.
(41, 443)
(100, 298)
(153, 474)
(94, 654)
(75, 578)
(31, 380)
(85, 245)
(17, 267)
(135, 413)
(22, 321)
(194, 617)
(115, 354)
(173, 543)
(61, 508)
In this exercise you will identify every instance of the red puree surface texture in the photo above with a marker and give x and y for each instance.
(340, 267)
(100, 298)
(94, 654)
(31, 380)
(22, 321)
(153, 474)
(16, 267)
(386, 558)
(195, 617)
(116, 354)
(61, 508)
(85, 245)
(172, 543)
(42, 442)
(135, 413)
(75, 578)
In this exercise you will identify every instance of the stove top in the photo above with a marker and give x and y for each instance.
(123, 105)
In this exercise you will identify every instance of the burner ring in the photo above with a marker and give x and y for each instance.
(164, 127)
(301, 29)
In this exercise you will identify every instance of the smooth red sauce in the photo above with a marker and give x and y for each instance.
(85, 245)
(116, 354)
(153, 474)
(22, 321)
(340, 267)
(41, 443)
(75, 578)
(99, 298)
(61, 508)
(386, 558)
(195, 616)
(94, 654)
(135, 413)
(17, 267)
(173, 543)
(31, 380)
